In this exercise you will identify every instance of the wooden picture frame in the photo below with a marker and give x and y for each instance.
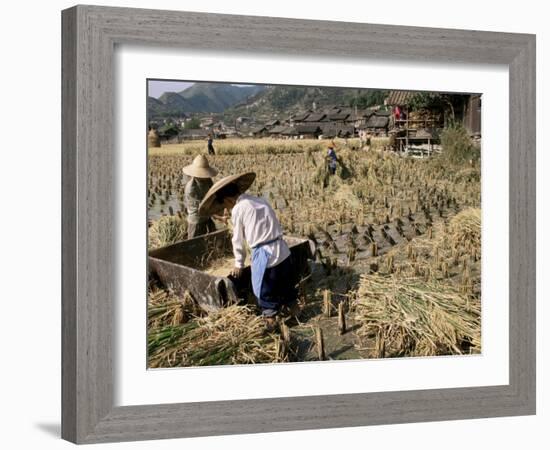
(90, 34)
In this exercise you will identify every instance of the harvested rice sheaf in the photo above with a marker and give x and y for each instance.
(167, 230)
(233, 335)
(164, 308)
(412, 317)
(465, 228)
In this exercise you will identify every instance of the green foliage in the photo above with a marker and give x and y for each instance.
(427, 100)
(457, 144)
(368, 99)
(193, 124)
(168, 130)
(284, 97)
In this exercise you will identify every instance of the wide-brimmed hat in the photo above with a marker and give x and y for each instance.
(200, 168)
(211, 205)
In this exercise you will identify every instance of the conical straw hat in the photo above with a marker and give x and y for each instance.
(210, 204)
(200, 168)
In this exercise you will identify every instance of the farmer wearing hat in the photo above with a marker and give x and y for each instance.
(255, 223)
(331, 158)
(196, 188)
(210, 141)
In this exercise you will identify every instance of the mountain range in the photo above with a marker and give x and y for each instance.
(281, 101)
(259, 102)
(201, 98)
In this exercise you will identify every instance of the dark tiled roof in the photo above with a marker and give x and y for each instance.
(315, 117)
(289, 131)
(368, 112)
(301, 116)
(338, 116)
(399, 97)
(308, 128)
(259, 129)
(333, 130)
(278, 129)
(377, 122)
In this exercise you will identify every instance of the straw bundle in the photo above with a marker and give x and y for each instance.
(465, 229)
(412, 317)
(164, 309)
(153, 138)
(233, 335)
(167, 230)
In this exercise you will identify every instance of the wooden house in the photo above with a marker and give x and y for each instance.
(377, 125)
(308, 131)
(277, 131)
(299, 117)
(289, 132)
(316, 117)
(260, 131)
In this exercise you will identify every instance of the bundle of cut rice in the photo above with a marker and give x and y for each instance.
(412, 317)
(232, 335)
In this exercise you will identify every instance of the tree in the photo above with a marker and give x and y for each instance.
(367, 99)
(193, 124)
(447, 103)
(168, 130)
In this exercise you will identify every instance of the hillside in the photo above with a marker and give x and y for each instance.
(282, 101)
(200, 98)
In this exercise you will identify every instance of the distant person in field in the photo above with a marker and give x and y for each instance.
(363, 138)
(368, 138)
(331, 159)
(196, 188)
(211, 150)
(256, 225)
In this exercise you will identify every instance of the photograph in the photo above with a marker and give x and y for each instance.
(306, 223)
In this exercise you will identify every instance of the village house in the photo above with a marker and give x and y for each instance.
(193, 134)
(309, 131)
(289, 133)
(338, 117)
(315, 117)
(260, 131)
(376, 125)
(299, 117)
(272, 123)
(207, 122)
(333, 129)
(277, 131)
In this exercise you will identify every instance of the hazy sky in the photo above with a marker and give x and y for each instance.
(157, 88)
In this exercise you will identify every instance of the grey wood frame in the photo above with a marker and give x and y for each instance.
(88, 154)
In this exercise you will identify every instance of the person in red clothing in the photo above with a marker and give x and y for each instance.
(397, 113)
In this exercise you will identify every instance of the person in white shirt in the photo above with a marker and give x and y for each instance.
(255, 223)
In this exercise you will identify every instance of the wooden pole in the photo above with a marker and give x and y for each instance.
(374, 249)
(320, 344)
(327, 302)
(341, 318)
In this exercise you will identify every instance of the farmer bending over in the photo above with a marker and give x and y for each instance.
(331, 158)
(255, 223)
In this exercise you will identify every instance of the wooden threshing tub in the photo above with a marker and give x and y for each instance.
(181, 267)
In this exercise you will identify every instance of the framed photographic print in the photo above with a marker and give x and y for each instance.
(264, 229)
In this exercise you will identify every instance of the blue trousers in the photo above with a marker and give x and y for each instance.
(278, 288)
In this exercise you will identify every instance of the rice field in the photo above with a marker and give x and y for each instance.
(397, 268)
